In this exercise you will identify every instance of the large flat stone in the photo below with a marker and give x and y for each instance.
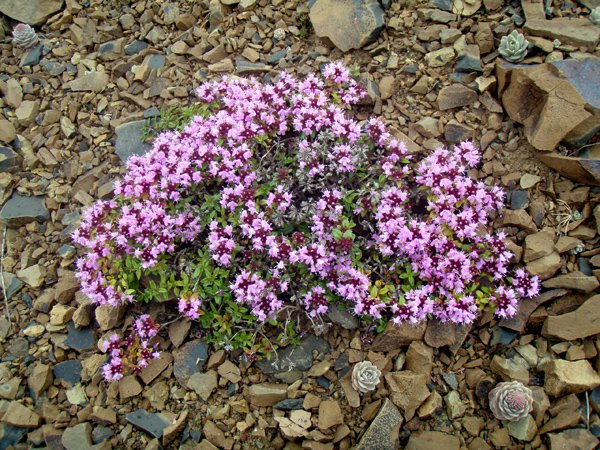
(20, 210)
(129, 140)
(32, 12)
(578, 324)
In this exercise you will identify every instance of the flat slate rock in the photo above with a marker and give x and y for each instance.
(294, 358)
(189, 359)
(32, 12)
(383, 432)
(20, 210)
(69, 371)
(129, 140)
(151, 423)
(82, 339)
(10, 435)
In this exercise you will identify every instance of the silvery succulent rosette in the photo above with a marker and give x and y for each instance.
(24, 36)
(365, 377)
(513, 47)
(595, 16)
(510, 400)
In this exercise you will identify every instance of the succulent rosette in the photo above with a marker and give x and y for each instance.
(365, 377)
(513, 47)
(24, 36)
(510, 400)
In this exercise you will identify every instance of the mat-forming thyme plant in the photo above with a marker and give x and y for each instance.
(277, 201)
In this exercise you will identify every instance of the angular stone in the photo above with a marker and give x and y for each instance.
(432, 440)
(7, 131)
(577, 438)
(129, 140)
(343, 318)
(156, 367)
(454, 96)
(577, 281)
(189, 359)
(440, 334)
(129, 387)
(79, 437)
(203, 384)
(524, 429)
(330, 414)
(109, 317)
(396, 336)
(569, 377)
(289, 429)
(299, 358)
(40, 379)
(80, 339)
(20, 210)
(91, 82)
(266, 394)
(510, 369)
(419, 358)
(578, 324)
(13, 93)
(32, 12)
(21, 416)
(538, 245)
(455, 408)
(580, 32)
(151, 423)
(69, 371)
(349, 24)
(546, 266)
(562, 102)
(408, 391)
(440, 58)
(33, 276)
(525, 308)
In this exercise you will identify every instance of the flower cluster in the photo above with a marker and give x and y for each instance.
(301, 205)
(134, 351)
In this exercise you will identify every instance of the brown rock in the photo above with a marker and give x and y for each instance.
(561, 104)
(518, 218)
(40, 379)
(578, 324)
(32, 12)
(578, 438)
(91, 82)
(348, 24)
(178, 331)
(538, 245)
(109, 317)
(569, 377)
(214, 434)
(440, 334)
(203, 383)
(330, 414)
(454, 96)
(431, 406)
(432, 440)
(510, 369)
(408, 390)
(384, 431)
(156, 367)
(524, 429)
(20, 416)
(563, 420)
(27, 112)
(7, 131)
(484, 38)
(289, 429)
(129, 387)
(419, 358)
(573, 31)
(61, 314)
(66, 287)
(103, 416)
(577, 281)
(230, 372)
(396, 336)
(525, 308)
(13, 93)
(266, 394)
(173, 431)
(546, 266)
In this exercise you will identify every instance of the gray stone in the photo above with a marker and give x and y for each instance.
(129, 140)
(291, 358)
(135, 47)
(79, 437)
(90, 82)
(69, 371)
(574, 439)
(155, 61)
(52, 67)
(32, 57)
(151, 423)
(469, 60)
(244, 66)
(10, 435)
(189, 359)
(342, 317)
(10, 161)
(383, 432)
(12, 284)
(19, 348)
(32, 12)
(20, 210)
(289, 404)
(349, 24)
(519, 199)
(82, 339)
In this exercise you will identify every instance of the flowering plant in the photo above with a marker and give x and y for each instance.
(278, 202)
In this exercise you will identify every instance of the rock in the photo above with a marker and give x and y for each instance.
(518, 218)
(582, 170)
(129, 387)
(538, 245)
(109, 317)
(178, 331)
(173, 431)
(7, 131)
(440, 58)
(299, 358)
(408, 390)
(20, 210)
(230, 372)
(383, 432)
(546, 266)
(509, 369)
(430, 407)
(524, 429)
(575, 439)
(135, 47)
(266, 394)
(419, 358)
(10, 161)
(519, 199)
(440, 334)
(578, 324)
(156, 367)
(203, 384)
(396, 336)
(468, 60)
(189, 359)
(91, 82)
(435, 15)
(569, 377)
(76, 395)
(157, 394)
(386, 87)
(61, 314)
(40, 379)
(20, 416)
(349, 24)
(343, 318)
(151, 423)
(548, 117)
(330, 414)
(27, 112)
(129, 140)
(428, 127)
(33, 276)
(9, 435)
(32, 12)
(466, 7)
(214, 434)
(79, 437)
(455, 132)
(13, 93)
(455, 408)
(80, 339)
(104, 416)
(528, 181)
(432, 440)
(66, 287)
(67, 127)
(289, 429)
(574, 280)
(454, 96)
(69, 371)
(579, 32)
(10, 389)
